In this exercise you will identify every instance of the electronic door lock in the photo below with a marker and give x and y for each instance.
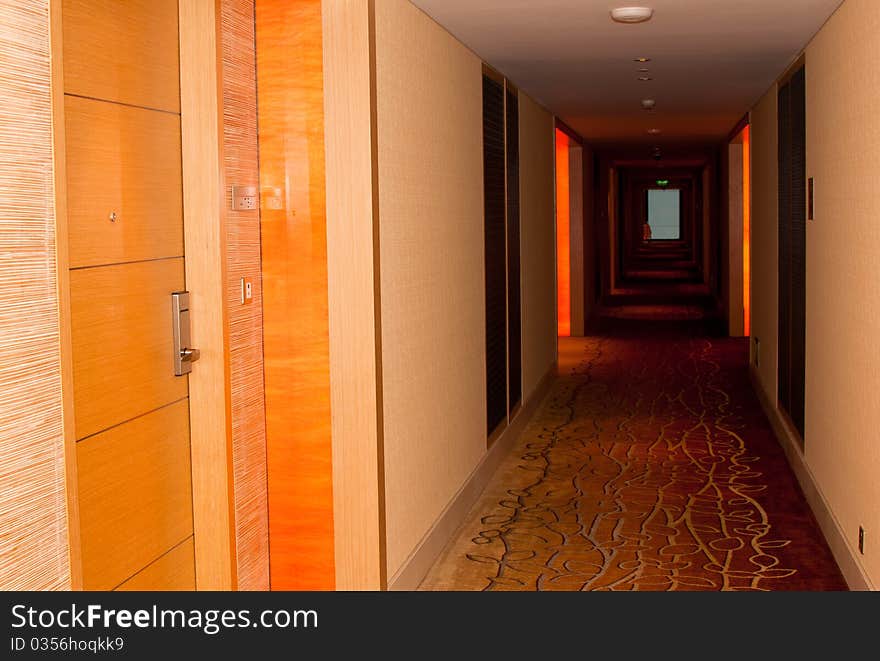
(184, 355)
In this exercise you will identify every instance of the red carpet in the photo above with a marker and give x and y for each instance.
(649, 467)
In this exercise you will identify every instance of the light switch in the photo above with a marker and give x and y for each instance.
(247, 291)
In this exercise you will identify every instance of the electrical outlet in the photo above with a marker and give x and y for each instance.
(244, 198)
(861, 540)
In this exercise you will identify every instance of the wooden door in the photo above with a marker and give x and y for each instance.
(125, 243)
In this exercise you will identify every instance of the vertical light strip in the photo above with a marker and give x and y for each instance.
(563, 229)
(747, 201)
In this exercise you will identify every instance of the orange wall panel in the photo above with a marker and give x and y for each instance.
(563, 229)
(747, 197)
(295, 322)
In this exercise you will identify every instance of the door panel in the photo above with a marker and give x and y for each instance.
(135, 495)
(122, 153)
(123, 51)
(124, 160)
(122, 343)
(173, 571)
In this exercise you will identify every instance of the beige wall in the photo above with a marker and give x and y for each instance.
(33, 523)
(843, 244)
(430, 185)
(430, 173)
(765, 239)
(843, 271)
(538, 240)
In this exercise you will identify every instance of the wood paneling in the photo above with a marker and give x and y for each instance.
(134, 46)
(295, 312)
(204, 236)
(122, 346)
(63, 271)
(33, 541)
(358, 507)
(173, 571)
(123, 160)
(240, 166)
(135, 495)
(297, 372)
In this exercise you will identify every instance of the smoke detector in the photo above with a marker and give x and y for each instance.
(632, 14)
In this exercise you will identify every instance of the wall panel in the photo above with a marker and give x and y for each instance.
(429, 109)
(765, 240)
(33, 546)
(842, 455)
(538, 241)
(843, 244)
(295, 303)
(240, 156)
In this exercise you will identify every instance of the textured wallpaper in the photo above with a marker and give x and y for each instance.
(33, 524)
(245, 321)
(431, 242)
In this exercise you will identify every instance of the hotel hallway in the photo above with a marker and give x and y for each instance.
(649, 466)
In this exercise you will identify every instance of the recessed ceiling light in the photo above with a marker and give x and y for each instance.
(643, 70)
(642, 59)
(645, 78)
(648, 104)
(632, 14)
(654, 131)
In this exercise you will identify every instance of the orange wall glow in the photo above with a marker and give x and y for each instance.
(563, 227)
(747, 197)
(296, 333)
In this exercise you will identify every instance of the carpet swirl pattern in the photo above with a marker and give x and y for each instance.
(650, 466)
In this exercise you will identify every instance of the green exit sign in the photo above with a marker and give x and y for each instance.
(663, 182)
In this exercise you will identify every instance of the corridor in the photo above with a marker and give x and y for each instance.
(649, 466)
(399, 295)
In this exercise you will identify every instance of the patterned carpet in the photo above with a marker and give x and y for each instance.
(650, 466)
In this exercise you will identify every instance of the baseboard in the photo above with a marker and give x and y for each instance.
(416, 566)
(844, 554)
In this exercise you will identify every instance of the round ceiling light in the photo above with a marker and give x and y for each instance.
(654, 131)
(648, 104)
(632, 14)
(642, 59)
(645, 78)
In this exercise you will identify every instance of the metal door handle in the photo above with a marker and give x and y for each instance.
(184, 357)
(190, 355)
